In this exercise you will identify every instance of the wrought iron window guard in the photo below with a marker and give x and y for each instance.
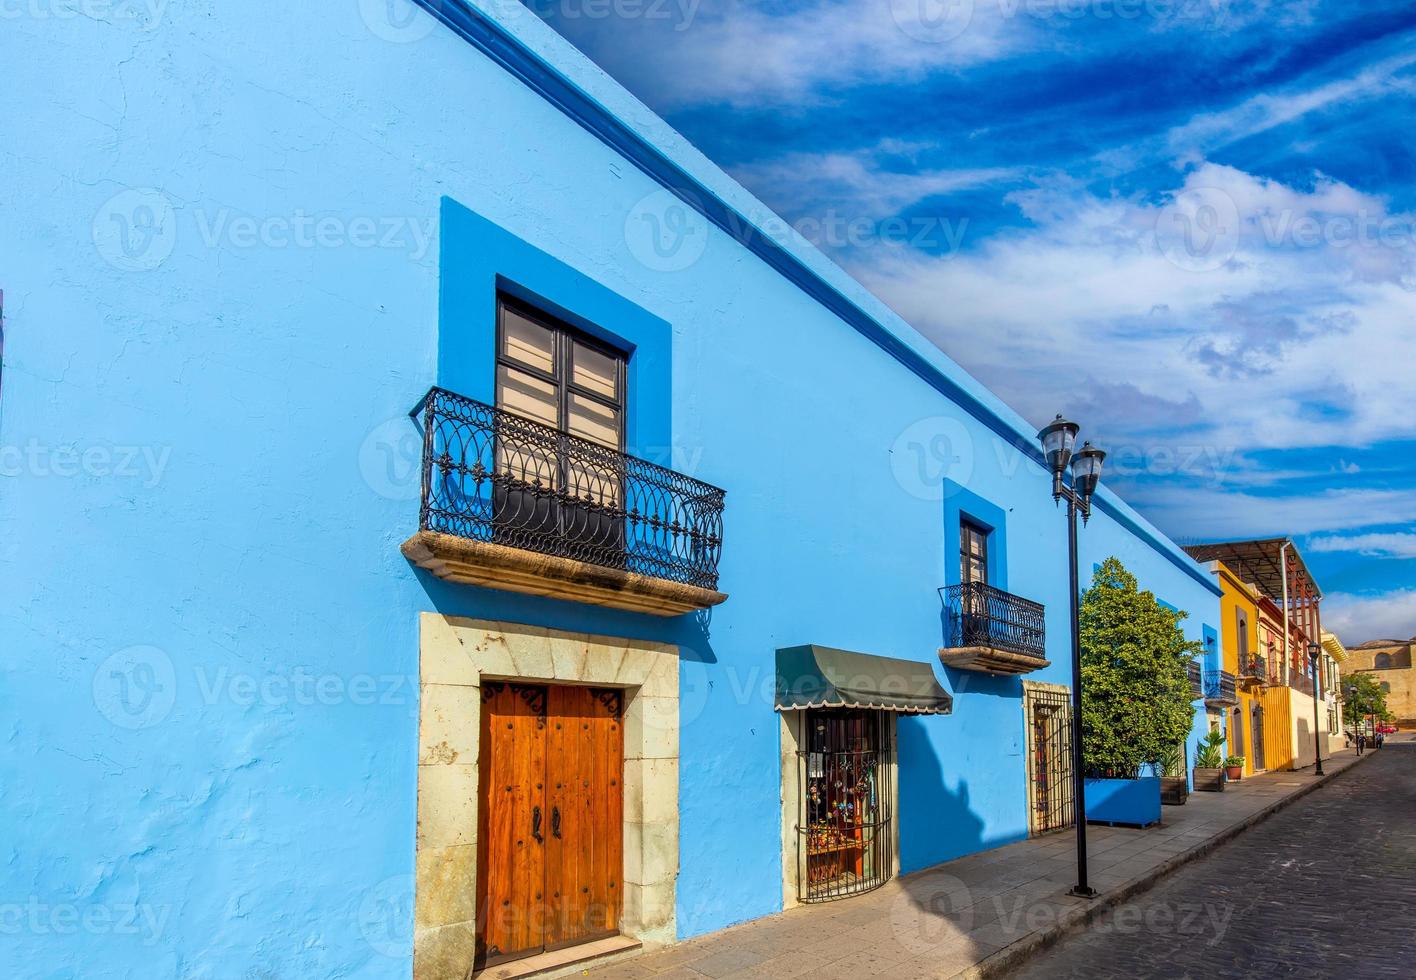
(1192, 670)
(1219, 686)
(491, 475)
(983, 616)
(1254, 669)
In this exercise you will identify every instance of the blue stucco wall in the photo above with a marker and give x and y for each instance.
(210, 698)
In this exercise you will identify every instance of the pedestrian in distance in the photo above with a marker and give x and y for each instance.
(1361, 742)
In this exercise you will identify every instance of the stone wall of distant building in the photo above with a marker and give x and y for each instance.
(1390, 662)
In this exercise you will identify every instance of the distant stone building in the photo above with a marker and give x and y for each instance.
(1389, 661)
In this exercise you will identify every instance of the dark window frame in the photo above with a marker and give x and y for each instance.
(565, 335)
(968, 529)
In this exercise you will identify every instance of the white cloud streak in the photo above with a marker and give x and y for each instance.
(1358, 618)
(1377, 545)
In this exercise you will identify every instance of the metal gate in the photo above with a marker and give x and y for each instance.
(1048, 713)
(847, 803)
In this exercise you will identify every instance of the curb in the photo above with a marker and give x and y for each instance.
(1012, 956)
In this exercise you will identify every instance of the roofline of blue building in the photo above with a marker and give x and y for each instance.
(515, 38)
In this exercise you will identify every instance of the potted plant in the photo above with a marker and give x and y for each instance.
(1174, 787)
(1234, 767)
(1209, 763)
(1136, 703)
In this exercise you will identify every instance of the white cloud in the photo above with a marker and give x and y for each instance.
(859, 184)
(1358, 618)
(1393, 545)
(1210, 131)
(1212, 514)
(1276, 331)
(725, 53)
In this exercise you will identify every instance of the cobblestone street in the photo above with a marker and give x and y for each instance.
(1324, 888)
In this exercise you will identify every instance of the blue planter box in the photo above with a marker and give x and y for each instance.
(1127, 802)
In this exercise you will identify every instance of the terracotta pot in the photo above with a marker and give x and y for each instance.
(1234, 772)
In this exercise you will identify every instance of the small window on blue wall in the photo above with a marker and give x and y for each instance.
(1211, 646)
(973, 552)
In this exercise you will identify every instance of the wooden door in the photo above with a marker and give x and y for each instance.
(585, 851)
(550, 819)
(511, 822)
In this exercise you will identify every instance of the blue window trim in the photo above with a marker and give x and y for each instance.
(1212, 655)
(960, 504)
(506, 49)
(480, 258)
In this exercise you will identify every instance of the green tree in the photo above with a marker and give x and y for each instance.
(1362, 695)
(1135, 689)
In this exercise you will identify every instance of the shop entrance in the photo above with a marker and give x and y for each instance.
(845, 832)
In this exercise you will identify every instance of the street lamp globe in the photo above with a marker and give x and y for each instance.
(1058, 437)
(1086, 472)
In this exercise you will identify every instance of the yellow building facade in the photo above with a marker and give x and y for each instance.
(1239, 613)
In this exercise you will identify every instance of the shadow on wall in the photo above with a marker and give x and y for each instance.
(935, 908)
(937, 822)
(690, 633)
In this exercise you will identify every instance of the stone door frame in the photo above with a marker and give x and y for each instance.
(455, 654)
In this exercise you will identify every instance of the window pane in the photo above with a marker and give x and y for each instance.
(527, 342)
(526, 395)
(593, 370)
(591, 420)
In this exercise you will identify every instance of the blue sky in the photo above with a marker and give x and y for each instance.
(1189, 224)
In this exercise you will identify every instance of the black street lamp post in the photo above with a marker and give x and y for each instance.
(1058, 440)
(1315, 651)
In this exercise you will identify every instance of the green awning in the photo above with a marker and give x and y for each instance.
(821, 677)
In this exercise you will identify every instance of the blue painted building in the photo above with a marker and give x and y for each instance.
(249, 710)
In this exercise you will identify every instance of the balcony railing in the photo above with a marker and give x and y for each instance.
(1300, 681)
(495, 477)
(1219, 686)
(992, 631)
(1197, 687)
(1254, 669)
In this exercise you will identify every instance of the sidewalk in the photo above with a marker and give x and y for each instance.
(977, 916)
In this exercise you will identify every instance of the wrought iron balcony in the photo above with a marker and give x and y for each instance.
(1220, 688)
(1253, 670)
(1197, 687)
(510, 503)
(992, 631)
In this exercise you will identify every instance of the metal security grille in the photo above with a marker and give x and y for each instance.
(1049, 720)
(847, 804)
